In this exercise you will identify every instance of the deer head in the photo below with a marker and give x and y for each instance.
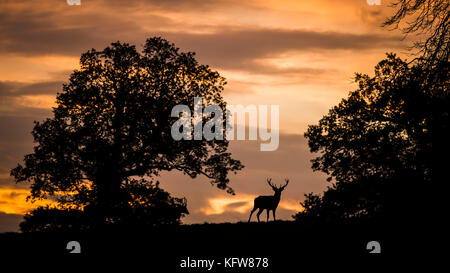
(276, 189)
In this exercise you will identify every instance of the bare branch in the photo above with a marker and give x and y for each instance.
(429, 20)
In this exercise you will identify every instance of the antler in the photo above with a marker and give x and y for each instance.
(269, 180)
(287, 182)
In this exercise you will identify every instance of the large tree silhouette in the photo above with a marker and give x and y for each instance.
(383, 147)
(376, 146)
(110, 133)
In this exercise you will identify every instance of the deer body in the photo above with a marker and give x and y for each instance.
(268, 202)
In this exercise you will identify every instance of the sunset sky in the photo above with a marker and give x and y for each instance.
(300, 55)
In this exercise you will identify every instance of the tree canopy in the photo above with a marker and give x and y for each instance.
(376, 146)
(383, 146)
(110, 134)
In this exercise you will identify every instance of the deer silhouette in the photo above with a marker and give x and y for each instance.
(269, 203)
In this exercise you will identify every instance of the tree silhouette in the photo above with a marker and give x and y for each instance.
(383, 146)
(110, 134)
(147, 205)
(376, 145)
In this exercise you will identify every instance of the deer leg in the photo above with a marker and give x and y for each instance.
(253, 210)
(274, 215)
(259, 213)
(268, 211)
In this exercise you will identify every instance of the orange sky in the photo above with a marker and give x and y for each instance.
(300, 55)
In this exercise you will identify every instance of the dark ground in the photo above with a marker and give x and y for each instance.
(288, 246)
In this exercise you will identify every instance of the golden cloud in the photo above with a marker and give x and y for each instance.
(242, 204)
(14, 201)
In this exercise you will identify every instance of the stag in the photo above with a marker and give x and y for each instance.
(269, 203)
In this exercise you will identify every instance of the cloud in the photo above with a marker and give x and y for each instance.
(35, 34)
(15, 142)
(16, 129)
(239, 87)
(13, 107)
(237, 48)
(14, 201)
(233, 216)
(179, 5)
(63, 31)
(374, 16)
(31, 29)
(276, 75)
(242, 204)
(14, 89)
(20, 99)
(9, 222)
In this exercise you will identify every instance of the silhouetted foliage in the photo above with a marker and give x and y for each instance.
(112, 124)
(53, 219)
(377, 145)
(143, 204)
(381, 145)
